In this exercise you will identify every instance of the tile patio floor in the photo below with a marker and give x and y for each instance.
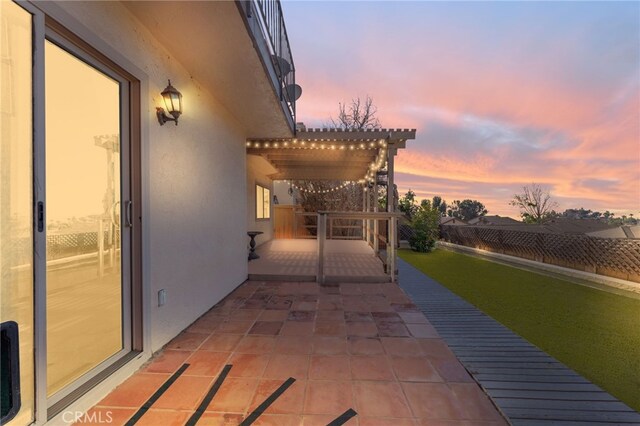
(364, 347)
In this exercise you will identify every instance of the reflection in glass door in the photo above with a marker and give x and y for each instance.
(86, 266)
(16, 220)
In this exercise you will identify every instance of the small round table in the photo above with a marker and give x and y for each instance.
(252, 244)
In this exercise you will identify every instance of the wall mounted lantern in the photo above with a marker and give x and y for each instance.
(173, 102)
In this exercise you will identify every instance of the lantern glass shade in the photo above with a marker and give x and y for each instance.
(172, 100)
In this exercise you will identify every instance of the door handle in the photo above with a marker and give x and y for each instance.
(129, 214)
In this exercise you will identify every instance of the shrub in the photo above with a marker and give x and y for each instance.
(425, 223)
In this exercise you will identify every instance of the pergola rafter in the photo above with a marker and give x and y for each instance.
(331, 154)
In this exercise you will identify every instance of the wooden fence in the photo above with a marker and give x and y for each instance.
(613, 257)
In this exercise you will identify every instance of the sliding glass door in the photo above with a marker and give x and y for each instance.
(86, 283)
(69, 244)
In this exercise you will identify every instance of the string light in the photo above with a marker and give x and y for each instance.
(322, 191)
(378, 164)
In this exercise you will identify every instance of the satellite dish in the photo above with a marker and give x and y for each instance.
(293, 92)
(281, 65)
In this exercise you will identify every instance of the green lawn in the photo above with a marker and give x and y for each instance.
(594, 332)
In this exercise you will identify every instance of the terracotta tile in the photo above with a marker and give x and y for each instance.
(187, 341)
(273, 315)
(134, 391)
(295, 345)
(254, 304)
(221, 342)
(413, 317)
(400, 346)
(205, 325)
(422, 330)
(328, 397)
(414, 369)
(380, 399)
(434, 401)
(371, 368)
(358, 316)
(362, 329)
(279, 303)
(476, 403)
(290, 402)
(185, 393)
(206, 363)
(220, 419)
(309, 288)
(284, 366)
(167, 361)
(365, 346)
(436, 349)
(245, 315)
(350, 289)
(330, 315)
(405, 307)
(371, 288)
(386, 317)
(106, 415)
(381, 307)
(248, 365)
(304, 305)
(330, 289)
(294, 328)
(303, 316)
(234, 396)
(392, 329)
(235, 327)
(279, 420)
(329, 367)
(330, 305)
(266, 327)
(330, 328)
(325, 419)
(327, 345)
(155, 417)
(256, 345)
(377, 421)
(451, 370)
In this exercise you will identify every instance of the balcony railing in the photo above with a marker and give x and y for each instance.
(265, 22)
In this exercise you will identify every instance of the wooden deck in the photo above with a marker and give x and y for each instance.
(297, 260)
(529, 386)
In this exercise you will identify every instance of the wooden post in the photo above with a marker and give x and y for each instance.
(393, 222)
(364, 209)
(322, 233)
(376, 231)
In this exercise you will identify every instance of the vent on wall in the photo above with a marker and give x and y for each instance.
(9, 370)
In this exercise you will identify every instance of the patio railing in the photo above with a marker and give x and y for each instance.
(325, 218)
(265, 22)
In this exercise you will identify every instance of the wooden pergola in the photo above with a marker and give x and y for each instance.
(333, 154)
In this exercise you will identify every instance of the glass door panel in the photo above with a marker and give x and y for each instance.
(16, 220)
(83, 193)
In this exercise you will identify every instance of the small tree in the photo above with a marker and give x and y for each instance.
(407, 204)
(440, 205)
(466, 209)
(535, 204)
(425, 223)
(358, 115)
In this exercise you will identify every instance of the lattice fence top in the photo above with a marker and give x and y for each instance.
(607, 256)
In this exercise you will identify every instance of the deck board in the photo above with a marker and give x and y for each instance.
(528, 385)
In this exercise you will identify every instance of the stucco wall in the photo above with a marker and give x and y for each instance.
(258, 170)
(194, 180)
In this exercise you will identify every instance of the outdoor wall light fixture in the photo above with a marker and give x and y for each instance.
(173, 102)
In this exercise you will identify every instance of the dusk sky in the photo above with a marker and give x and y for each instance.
(502, 94)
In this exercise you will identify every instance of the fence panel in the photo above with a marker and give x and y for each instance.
(619, 258)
